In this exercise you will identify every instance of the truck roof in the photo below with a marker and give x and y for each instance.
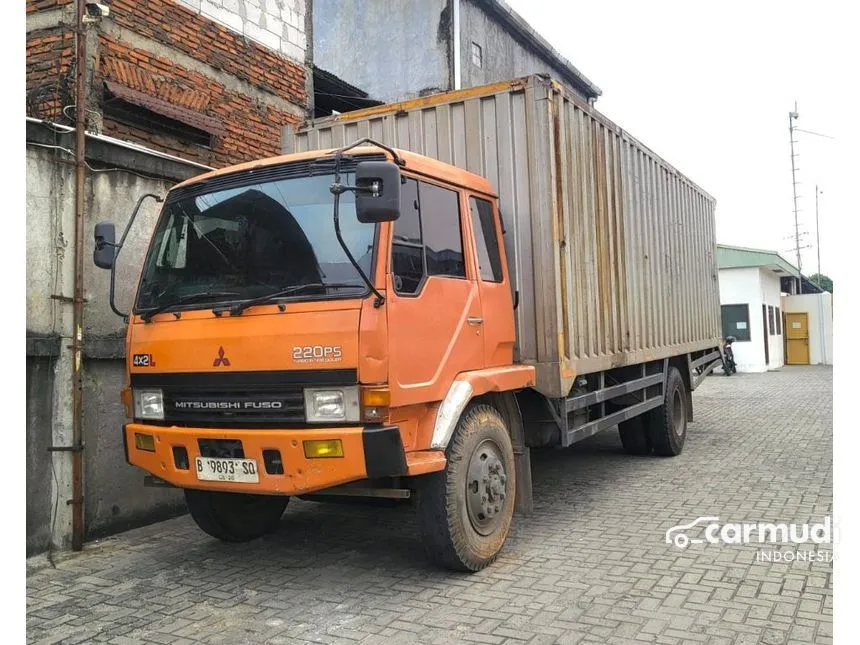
(416, 163)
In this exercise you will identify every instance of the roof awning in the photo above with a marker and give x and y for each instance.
(184, 115)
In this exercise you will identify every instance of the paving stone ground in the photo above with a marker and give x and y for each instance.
(589, 566)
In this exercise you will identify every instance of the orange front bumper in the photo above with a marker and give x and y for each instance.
(367, 453)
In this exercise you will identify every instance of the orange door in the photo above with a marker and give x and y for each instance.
(493, 283)
(434, 309)
(796, 338)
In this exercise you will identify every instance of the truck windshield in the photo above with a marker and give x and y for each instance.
(245, 242)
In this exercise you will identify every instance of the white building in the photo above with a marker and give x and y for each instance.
(750, 300)
(809, 328)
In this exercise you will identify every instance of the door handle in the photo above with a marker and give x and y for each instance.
(475, 320)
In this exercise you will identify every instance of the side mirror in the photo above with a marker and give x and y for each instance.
(377, 198)
(105, 248)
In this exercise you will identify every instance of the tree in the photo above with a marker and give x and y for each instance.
(822, 281)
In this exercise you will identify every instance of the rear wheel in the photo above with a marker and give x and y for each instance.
(667, 424)
(235, 517)
(634, 436)
(465, 511)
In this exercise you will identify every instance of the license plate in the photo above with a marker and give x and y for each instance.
(227, 470)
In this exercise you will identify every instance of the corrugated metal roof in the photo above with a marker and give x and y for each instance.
(735, 257)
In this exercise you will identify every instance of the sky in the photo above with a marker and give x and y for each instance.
(709, 86)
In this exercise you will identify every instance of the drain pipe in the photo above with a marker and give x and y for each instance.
(77, 447)
(456, 43)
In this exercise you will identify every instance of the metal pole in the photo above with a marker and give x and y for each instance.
(456, 53)
(78, 304)
(817, 239)
(791, 117)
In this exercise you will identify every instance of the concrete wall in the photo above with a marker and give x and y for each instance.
(277, 24)
(115, 496)
(40, 385)
(391, 50)
(819, 306)
(113, 491)
(503, 56)
(412, 52)
(753, 286)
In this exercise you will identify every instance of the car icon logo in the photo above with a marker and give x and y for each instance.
(676, 535)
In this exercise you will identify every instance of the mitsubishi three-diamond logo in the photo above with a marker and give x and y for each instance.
(221, 359)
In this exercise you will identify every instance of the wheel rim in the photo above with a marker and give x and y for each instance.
(678, 415)
(486, 487)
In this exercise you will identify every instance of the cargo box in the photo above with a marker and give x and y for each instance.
(610, 249)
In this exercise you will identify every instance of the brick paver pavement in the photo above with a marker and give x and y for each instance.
(589, 566)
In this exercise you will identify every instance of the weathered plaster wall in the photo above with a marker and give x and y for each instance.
(114, 495)
(391, 50)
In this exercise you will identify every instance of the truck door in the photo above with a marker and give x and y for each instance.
(493, 283)
(434, 309)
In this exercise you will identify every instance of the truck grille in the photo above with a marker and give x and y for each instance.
(238, 399)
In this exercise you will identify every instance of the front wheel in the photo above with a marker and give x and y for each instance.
(235, 517)
(465, 511)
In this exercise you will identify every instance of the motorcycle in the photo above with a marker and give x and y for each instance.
(729, 366)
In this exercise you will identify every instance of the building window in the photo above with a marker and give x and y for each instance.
(736, 321)
(477, 55)
(770, 321)
(778, 322)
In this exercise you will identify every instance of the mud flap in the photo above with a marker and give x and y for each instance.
(524, 504)
(523, 464)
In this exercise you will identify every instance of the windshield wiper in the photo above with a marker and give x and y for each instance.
(184, 300)
(239, 307)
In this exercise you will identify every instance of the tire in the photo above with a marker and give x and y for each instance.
(634, 436)
(667, 424)
(235, 517)
(457, 517)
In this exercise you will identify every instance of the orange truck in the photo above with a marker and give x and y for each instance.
(407, 322)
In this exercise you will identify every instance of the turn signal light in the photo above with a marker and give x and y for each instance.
(125, 397)
(144, 442)
(374, 403)
(318, 449)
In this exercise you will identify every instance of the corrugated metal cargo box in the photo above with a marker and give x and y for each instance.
(611, 249)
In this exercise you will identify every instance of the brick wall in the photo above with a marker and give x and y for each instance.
(39, 5)
(253, 129)
(50, 81)
(278, 25)
(253, 126)
(178, 26)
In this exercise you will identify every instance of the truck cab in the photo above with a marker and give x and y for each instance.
(290, 337)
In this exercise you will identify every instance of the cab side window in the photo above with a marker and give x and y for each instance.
(427, 236)
(443, 239)
(407, 247)
(486, 240)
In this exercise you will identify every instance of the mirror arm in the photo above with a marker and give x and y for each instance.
(118, 248)
(380, 299)
(337, 189)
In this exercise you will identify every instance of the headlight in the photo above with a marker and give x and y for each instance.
(331, 404)
(148, 404)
